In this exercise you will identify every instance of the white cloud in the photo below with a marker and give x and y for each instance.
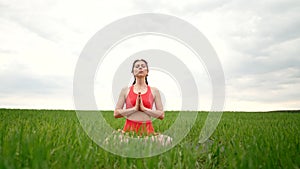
(272, 88)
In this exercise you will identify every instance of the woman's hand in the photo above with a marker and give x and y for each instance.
(154, 113)
(158, 113)
(142, 107)
(139, 106)
(138, 102)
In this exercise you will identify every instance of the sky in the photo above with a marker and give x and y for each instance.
(257, 44)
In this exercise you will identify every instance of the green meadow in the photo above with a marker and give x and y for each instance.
(55, 139)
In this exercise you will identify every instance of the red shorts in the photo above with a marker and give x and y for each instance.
(139, 127)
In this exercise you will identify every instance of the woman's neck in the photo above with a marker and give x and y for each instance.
(140, 82)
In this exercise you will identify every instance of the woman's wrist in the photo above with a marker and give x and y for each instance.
(127, 112)
(145, 110)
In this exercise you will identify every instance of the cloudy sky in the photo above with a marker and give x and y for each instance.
(256, 42)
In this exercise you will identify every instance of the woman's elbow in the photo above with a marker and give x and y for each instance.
(117, 114)
(162, 116)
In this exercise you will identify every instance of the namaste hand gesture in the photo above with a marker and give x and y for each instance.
(139, 106)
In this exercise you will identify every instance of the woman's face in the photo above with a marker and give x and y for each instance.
(140, 69)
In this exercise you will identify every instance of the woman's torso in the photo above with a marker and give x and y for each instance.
(148, 99)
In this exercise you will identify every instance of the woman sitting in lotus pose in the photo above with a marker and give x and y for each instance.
(139, 99)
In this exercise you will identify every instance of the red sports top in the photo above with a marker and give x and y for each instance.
(147, 98)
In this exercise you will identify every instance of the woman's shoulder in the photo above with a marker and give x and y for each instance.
(126, 87)
(153, 88)
(125, 90)
(154, 91)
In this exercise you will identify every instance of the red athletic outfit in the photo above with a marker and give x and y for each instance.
(140, 127)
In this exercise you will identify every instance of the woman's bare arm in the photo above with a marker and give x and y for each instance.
(158, 113)
(119, 111)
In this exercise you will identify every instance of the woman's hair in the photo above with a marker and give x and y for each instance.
(133, 68)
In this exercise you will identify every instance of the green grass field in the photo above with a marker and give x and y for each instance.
(55, 139)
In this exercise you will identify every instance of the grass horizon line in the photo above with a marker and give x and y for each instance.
(203, 111)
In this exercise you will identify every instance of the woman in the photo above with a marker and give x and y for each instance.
(139, 99)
